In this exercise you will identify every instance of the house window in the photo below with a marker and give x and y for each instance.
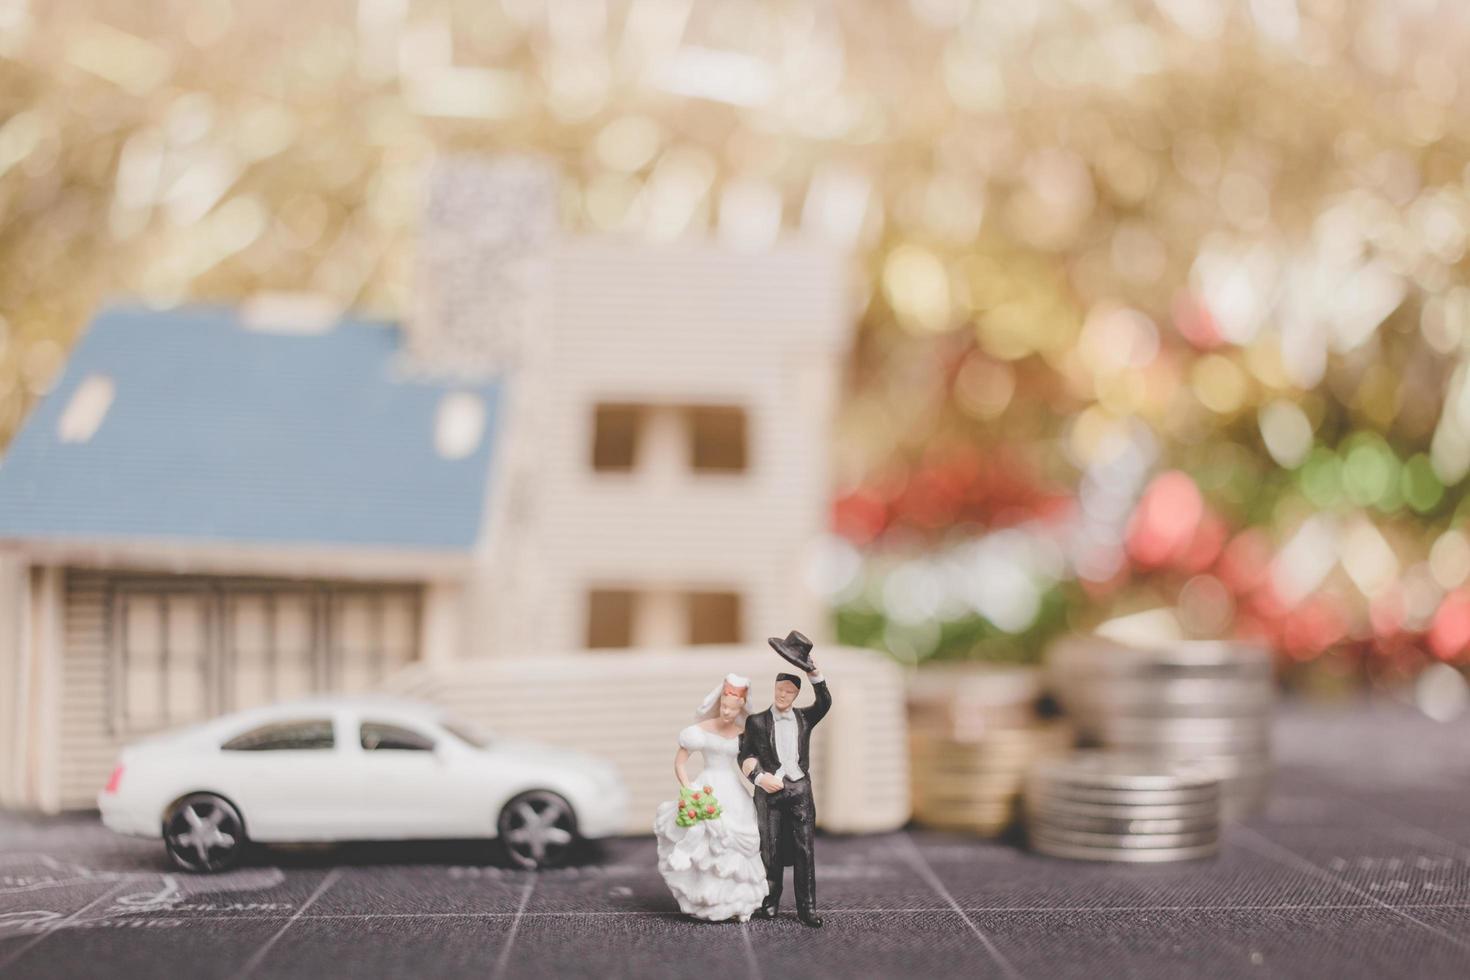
(621, 618)
(459, 425)
(700, 438)
(609, 619)
(714, 617)
(615, 438)
(717, 439)
(87, 409)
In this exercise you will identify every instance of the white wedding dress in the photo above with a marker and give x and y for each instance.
(713, 867)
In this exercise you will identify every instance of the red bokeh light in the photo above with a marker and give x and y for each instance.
(1245, 561)
(860, 516)
(1166, 521)
(1449, 632)
(1312, 627)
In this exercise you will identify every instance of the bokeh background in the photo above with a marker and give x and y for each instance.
(1162, 302)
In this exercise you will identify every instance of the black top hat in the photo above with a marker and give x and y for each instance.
(795, 650)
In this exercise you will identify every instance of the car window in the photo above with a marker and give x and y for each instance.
(380, 736)
(279, 736)
(466, 732)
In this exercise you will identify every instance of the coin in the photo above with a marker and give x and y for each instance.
(1108, 770)
(1078, 838)
(937, 755)
(1095, 718)
(1093, 709)
(975, 685)
(977, 812)
(1203, 754)
(967, 811)
(1126, 797)
(1184, 658)
(943, 803)
(974, 734)
(966, 729)
(985, 827)
(1147, 856)
(934, 772)
(1012, 764)
(930, 797)
(1252, 765)
(1017, 766)
(1186, 728)
(992, 745)
(1080, 674)
(987, 729)
(1145, 740)
(1127, 826)
(1140, 693)
(961, 818)
(1145, 811)
(1206, 702)
(1010, 779)
(941, 785)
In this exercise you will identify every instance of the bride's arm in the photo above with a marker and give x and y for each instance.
(681, 757)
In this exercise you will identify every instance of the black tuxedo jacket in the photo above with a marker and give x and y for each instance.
(758, 741)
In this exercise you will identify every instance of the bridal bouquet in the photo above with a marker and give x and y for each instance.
(696, 804)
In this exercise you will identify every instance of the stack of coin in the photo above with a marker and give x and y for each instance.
(1103, 806)
(974, 732)
(1208, 701)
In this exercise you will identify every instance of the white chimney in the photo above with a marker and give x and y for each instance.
(483, 284)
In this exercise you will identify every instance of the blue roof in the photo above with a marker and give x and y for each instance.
(221, 432)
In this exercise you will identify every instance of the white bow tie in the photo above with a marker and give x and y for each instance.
(787, 715)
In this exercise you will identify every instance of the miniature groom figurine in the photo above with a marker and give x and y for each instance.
(775, 755)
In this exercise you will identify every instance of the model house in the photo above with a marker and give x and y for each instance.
(569, 444)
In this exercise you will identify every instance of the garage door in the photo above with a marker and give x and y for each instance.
(188, 649)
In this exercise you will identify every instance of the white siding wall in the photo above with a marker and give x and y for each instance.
(687, 324)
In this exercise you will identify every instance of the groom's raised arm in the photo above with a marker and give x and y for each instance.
(823, 704)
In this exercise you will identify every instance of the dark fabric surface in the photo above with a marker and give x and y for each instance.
(1360, 868)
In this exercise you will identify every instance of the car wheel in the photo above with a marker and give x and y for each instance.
(204, 832)
(539, 829)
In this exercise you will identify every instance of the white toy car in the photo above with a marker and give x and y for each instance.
(364, 768)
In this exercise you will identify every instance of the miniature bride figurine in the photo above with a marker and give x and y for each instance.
(709, 847)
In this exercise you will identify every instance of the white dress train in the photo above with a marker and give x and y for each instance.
(713, 867)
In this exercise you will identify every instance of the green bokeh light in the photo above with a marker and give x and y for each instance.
(1321, 477)
(1370, 474)
(1420, 485)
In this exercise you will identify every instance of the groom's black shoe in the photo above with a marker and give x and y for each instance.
(764, 912)
(810, 919)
